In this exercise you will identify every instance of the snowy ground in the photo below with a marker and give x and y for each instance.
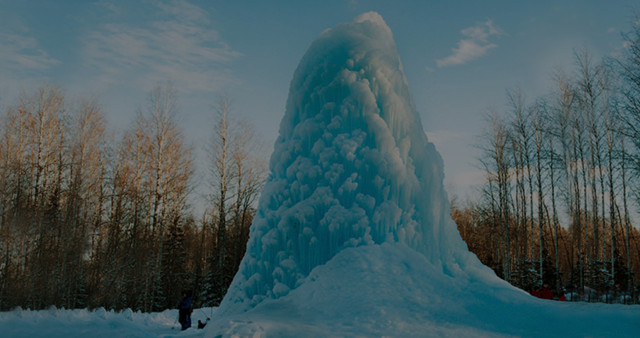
(370, 291)
(99, 323)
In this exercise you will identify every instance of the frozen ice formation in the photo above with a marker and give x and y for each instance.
(352, 166)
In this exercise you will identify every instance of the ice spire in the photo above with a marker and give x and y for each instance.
(352, 166)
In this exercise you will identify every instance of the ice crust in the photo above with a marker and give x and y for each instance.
(352, 166)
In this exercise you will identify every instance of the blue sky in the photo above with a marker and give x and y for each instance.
(459, 56)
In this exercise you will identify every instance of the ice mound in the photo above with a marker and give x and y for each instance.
(352, 167)
(391, 290)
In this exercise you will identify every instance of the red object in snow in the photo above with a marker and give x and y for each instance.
(546, 293)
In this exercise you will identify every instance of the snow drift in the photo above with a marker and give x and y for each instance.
(96, 323)
(352, 166)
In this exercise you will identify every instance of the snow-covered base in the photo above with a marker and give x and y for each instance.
(391, 290)
(99, 323)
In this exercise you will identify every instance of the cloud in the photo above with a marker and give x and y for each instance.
(21, 52)
(174, 41)
(110, 8)
(474, 45)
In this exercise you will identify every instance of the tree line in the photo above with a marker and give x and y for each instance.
(560, 200)
(87, 221)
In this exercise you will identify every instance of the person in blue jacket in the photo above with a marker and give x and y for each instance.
(184, 310)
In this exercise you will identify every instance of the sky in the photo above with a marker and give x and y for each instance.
(459, 57)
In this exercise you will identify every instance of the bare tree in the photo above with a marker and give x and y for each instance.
(84, 198)
(221, 171)
(538, 118)
(497, 165)
(249, 169)
(238, 173)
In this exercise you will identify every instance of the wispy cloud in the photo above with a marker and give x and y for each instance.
(21, 52)
(175, 41)
(474, 44)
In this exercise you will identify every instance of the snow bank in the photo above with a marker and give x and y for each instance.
(99, 323)
(352, 166)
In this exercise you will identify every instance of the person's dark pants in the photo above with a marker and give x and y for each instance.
(184, 319)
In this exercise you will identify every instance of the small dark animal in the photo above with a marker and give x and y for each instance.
(201, 325)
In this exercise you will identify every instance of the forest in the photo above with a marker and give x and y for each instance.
(87, 221)
(559, 204)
